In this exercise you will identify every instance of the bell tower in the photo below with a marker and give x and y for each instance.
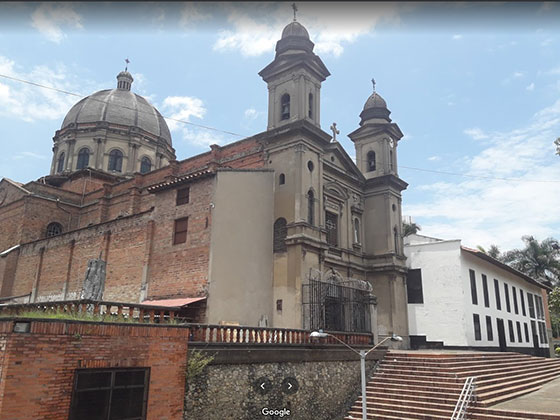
(294, 79)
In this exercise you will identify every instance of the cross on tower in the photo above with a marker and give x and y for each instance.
(295, 10)
(127, 61)
(334, 131)
(373, 82)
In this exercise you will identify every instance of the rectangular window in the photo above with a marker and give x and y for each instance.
(485, 290)
(519, 338)
(539, 305)
(476, 321)
(531, 305)
(414, 286)
(526, 332)
(511, 334)
(104, 394)
(522, 302)
(534, 330)
(331, 223)
(542, 333)
(506, 296)
(183, 196)
(489, 332)
(497, 293)
(514, 294)
(180, 232)
(473, 287)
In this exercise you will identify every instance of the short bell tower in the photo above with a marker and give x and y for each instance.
(294, 79)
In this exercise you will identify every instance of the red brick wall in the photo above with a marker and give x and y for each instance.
(11, 223)
(37, 369)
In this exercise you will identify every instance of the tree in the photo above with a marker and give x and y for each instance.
(493, 251)
(539, 260)
(554, 309)
(410, 229)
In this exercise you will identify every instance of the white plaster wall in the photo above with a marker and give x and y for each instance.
(493, 272)
(442, 315)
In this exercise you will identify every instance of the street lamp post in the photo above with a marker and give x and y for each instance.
(363, 354)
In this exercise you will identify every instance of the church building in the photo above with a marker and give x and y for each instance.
(281, 229)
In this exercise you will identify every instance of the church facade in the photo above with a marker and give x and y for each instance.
(279, 229)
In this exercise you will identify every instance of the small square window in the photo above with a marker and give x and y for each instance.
(183, 196)
(180, 232)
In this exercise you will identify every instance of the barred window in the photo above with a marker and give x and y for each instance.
(54, 229)
(183, 196)
(103, 394)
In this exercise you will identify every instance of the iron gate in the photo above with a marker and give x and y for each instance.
(333, 307)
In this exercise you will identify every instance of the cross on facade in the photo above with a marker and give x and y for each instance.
(334, 131)
(127, 61)
(295, 10)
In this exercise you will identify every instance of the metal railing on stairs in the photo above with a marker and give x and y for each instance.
(467, 394)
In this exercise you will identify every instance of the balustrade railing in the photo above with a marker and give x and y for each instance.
(94, 311)
(233, 334)
(104, 311)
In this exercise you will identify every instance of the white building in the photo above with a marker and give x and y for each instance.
(460, 298)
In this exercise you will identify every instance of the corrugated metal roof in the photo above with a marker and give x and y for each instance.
(173, 303)
(179, 180)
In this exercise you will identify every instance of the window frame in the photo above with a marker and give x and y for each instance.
(489, 331)
(180, 236)
(49, 229)
(497, 294)
(332, 233)
(73, 415)
(83, 153)
(285, 107)
(414, 286)
(506, 296)
(474, 295)
(485, 291)
(477, 330)
(183, 196)
(116, 157)
(143, 163)
(60, 162)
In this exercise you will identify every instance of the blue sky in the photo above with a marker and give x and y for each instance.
(475, 87)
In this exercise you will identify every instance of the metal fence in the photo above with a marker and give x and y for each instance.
(333, 307)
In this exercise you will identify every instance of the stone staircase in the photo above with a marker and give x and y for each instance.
(426, 385)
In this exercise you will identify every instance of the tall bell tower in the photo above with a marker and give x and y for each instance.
(294, 79)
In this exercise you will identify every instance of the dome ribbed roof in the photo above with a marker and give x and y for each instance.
(119, 106)
(375, 101)
(295, 29)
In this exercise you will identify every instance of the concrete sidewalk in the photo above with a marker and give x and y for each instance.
(545, 400)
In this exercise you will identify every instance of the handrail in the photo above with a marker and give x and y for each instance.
(467, 393)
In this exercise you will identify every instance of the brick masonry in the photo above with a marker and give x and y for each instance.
(130, 227)
(37, 368)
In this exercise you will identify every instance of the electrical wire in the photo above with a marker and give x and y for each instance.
(122, 106)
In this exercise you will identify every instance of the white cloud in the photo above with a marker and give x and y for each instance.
(255, 31)
(530, 87)
(434, 158)
(489, 210)
(457, 36)
(547, 42)
(31, 103)
(49, 18)
(25, 155)
(184, 108)
(190, 14)
(252, 114)
(476, 133)
(514, 76)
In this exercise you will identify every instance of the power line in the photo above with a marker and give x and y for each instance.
(478, 176)
(473, 176)
(240, 135)
(122, 106)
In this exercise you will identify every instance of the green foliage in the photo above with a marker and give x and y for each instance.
(72, 316)
(493, 251)
(539, 260)
(410, 229)
(554, 309)
(196, 363)
(557, 351)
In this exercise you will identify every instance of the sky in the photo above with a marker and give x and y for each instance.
(475, 88)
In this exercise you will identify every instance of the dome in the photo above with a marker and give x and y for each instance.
(295, 39)
(119, 106)
(375, 101)
(295, 29)
(375, 108)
